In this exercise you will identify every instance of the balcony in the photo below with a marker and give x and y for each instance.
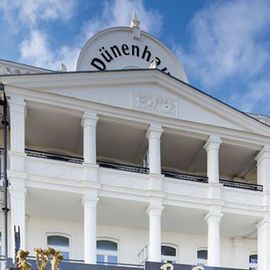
(142, 170)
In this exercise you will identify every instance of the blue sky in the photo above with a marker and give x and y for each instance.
(224, 46)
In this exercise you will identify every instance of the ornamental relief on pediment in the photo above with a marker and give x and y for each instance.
(155, 104)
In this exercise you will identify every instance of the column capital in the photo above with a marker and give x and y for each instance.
(154, 131)
(213, 142)
(90, 201)
(265, 221)
(155, 209)
(17, 105)
(264, 153)
(16, 100)
(17, 182)
(89, 119)
(213, 217)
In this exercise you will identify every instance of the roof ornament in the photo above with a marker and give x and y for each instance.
(154, 64)
(63, 68)
(135, 25)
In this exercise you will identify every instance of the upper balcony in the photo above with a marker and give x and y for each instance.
(123, 145)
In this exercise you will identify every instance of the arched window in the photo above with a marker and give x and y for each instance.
(253, 260)
(107, 252)
(168, 254)
(61, 243)
(202, 255)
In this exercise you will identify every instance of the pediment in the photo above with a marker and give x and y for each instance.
(183, 103)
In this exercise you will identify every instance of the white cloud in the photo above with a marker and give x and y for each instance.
(120, 13)
(28, 17)
(255, 99)
(35, 48)
(31, 12)
(227, 42)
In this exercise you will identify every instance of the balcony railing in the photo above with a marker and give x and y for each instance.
(242, 185)
(123, 167)
(186, 177)
(79, 160)
(47, 155)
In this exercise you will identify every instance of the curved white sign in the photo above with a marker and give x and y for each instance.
(117, 48)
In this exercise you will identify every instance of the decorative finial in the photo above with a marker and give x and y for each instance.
(135, 25)
(63, 68)
(154, 64)
(135, 22)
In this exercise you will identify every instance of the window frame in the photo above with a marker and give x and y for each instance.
(252, 266)
(166, 258)
(202, 261)
(62, 249)
(107, 253)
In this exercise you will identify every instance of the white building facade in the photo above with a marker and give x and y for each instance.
(121, 163)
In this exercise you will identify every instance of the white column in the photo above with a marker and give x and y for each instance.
(154, 247)
(17, 175)
(17, 133)
(153, 134)
(90, 230)
(213, 221)
(263, 227)
(89, 122)
(212, 148)
(263, 242)
(17, 124)
(263, 168)
(240, 253)
(17, 210)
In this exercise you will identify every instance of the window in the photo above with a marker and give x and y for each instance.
(253, 259)
(60, 243)
(202, 255)
(107, 252)
(168, 254)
